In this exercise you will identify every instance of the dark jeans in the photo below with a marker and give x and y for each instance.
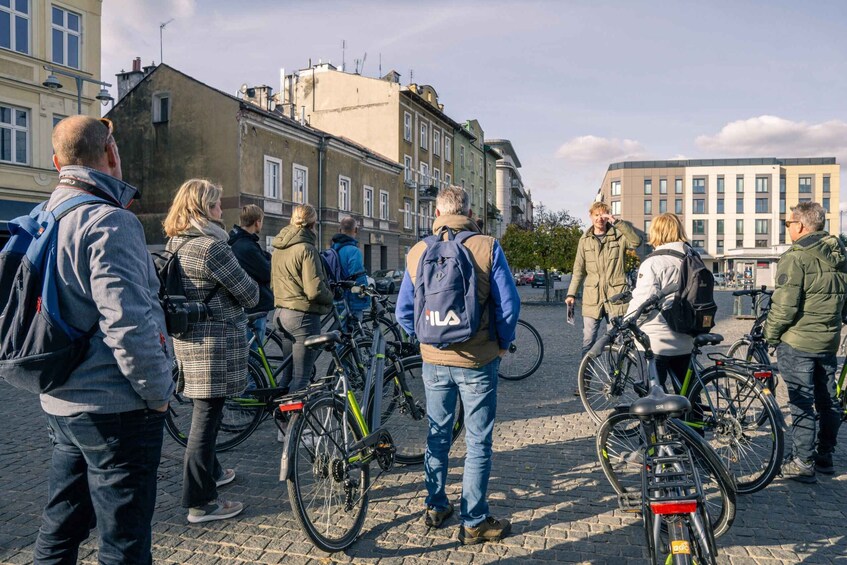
(103, 473)
(201, 467)
(677, 364)
(810, 378)
(301, 325)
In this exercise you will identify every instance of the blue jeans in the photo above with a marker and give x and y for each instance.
(810, 378)
(590, 332)
(477, 389)
(103, 473)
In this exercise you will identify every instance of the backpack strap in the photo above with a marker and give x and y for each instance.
(671, 252)
(215, 290)
(66, 207)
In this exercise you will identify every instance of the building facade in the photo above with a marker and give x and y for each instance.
(258, 156)
(64, 36)
(513, 200)
(733, 210)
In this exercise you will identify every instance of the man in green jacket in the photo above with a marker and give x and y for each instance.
(805, 321)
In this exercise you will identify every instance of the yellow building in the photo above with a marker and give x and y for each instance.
(64, 36)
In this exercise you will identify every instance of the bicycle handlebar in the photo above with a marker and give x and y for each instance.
(754, 292)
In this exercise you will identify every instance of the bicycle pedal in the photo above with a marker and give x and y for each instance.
(630, 502)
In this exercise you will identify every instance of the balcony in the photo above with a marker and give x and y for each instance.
(517, 206)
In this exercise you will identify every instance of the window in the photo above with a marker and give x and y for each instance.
(436, 177)
(648, 206)
(677, 186)
(761, 184)
(739, 205)
(273, 181)
(826, 185)
(299, 182)
(805, 185)
(698, 186)
(699, 206)
(782, 205)
(448, 152)
(720, 246)
(647, 224)
(805, 199)
(407, 162)
(663, 206)
(720, 206)
(616, 207)
(663, 186)
(14, 135)
(739, 185)
(471, 166)
(407, 215)
(648, 186)
(436, 142)
(762, 226)
(161, 107)
(423, 180)
(344, 193)
(782, 232)
(67, 36)
(14, 25)
(462, 156)
(368, 202)
(739, 243)
(407, 126)
(782, 184)
(424, 136)
(383, 205)
(762, 243)
(761, 205)
(616, 188)
(739, 227)
(448, 179)
(698, 243)
(720, 227)
(826, 203)
(677, 206)
(698, 227)
(721, 185)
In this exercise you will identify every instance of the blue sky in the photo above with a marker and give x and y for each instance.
(575, 85)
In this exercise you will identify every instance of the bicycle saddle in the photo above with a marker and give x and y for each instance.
(660, 403)
(324, 340)
(708, 339)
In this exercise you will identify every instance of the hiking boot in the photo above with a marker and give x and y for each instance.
(435, 518)
(489, 529)
(215, 510)
(226, 478)
(800, 471)
(823, 463)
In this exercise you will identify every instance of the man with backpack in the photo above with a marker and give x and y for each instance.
(351, 262)
(804, 322)
(459, 298)
(106, 421)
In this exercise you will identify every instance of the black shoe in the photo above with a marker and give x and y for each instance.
(823, 463)
(800, 471)
(489, 530)
(435, 518)
(576, 392)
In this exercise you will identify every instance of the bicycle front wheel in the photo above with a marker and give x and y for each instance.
(608, 380)
(524, 355)
(739, 421)
(328, 491)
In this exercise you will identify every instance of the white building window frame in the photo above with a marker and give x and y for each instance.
(448, 178)
(14, 16)
(448, 151)
(436, 142)
(17, 134)
(368, 202)
(407, 214)
(407, 126)
(273, 177)
(408, 165)
(436, 178)
(423, 180)
(299, 185)
(344, 185)
(424, 136)
(160, 116)
(67, 32)
(384, 210)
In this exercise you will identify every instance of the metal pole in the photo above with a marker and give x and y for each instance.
(78, 95)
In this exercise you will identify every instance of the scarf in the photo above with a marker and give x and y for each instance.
(213, 229)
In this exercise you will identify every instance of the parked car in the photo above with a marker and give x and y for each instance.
(520, 279)
(388, 281)
(720, 279)
(538, 280)
(556, 276)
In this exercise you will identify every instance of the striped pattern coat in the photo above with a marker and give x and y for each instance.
(212, 355)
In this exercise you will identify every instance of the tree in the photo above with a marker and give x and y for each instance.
(550, 243)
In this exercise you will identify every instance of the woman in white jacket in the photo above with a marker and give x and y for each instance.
(658, 271)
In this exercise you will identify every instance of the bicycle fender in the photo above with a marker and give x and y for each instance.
(285, 459)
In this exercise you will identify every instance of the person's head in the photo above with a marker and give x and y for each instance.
(86, 142)
(806, 217)
(666, 228)
(251, 218)
(304, 216)
(348, 226)
(598, 213)
(198, 200)
(453, 200)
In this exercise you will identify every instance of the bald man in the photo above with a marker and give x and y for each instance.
(106, 421)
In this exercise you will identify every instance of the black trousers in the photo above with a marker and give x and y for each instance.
(677, 364)
(201, 467)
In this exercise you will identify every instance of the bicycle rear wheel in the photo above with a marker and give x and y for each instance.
(404, 411)
(328, 493)
(608, 380)
(524, 355)
(745, 350)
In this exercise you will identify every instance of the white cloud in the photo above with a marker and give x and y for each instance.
(593, 149)
(772, 136)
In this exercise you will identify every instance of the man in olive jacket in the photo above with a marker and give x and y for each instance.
(599, 263)
(805, 320)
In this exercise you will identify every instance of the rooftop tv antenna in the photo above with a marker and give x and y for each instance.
(358, 69)
(161, 48)
(343, 54)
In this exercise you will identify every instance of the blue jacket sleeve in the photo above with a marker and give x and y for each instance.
(405, 309)
(504, 293)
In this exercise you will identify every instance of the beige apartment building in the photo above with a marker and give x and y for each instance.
(474, 164)
(64, 36)
(734, 210)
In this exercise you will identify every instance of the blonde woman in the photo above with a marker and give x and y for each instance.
(660, 269)
(212, 354)
(301, 293)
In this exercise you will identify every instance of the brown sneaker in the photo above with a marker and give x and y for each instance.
(435, 518)
(489, 529)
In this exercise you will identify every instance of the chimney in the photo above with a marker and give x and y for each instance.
(127, 80)
(136, 65)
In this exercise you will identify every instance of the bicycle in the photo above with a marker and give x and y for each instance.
(753, 347)
(736, 414)
(524, 355)
(683, 492)
(841, 381)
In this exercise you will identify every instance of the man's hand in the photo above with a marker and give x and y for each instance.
(570, 300)
(503, 352)
(162, 408)
(609, 218)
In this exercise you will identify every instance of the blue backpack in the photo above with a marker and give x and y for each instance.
(332, 265)
(38, 349)
(446, 306)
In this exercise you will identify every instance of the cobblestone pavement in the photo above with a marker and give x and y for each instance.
(545, 478)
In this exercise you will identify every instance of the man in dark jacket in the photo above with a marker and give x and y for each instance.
(352, 263)
(805, 321)
(244, 240)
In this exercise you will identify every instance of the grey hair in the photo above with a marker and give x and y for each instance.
(347, 225)
(453, 200)
(810, 214)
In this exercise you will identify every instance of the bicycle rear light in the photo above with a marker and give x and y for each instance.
(291, 406)
(675, 507)
(762, 375)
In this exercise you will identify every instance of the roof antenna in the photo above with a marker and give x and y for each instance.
(343, 54)
(411, 76)
(380, 64)
(161, 48)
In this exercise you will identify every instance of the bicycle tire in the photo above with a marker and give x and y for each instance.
(320, 511)
(745, 431)
(389, 328)
(603, 385)
(841, 392)
(616, 443)
(745, 350)
(356, 374)
(524, 355)
(238, 421)
(408, 431)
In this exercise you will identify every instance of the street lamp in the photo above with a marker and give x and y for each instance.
(53, 84)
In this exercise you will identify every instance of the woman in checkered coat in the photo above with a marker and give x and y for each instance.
(212, 354)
